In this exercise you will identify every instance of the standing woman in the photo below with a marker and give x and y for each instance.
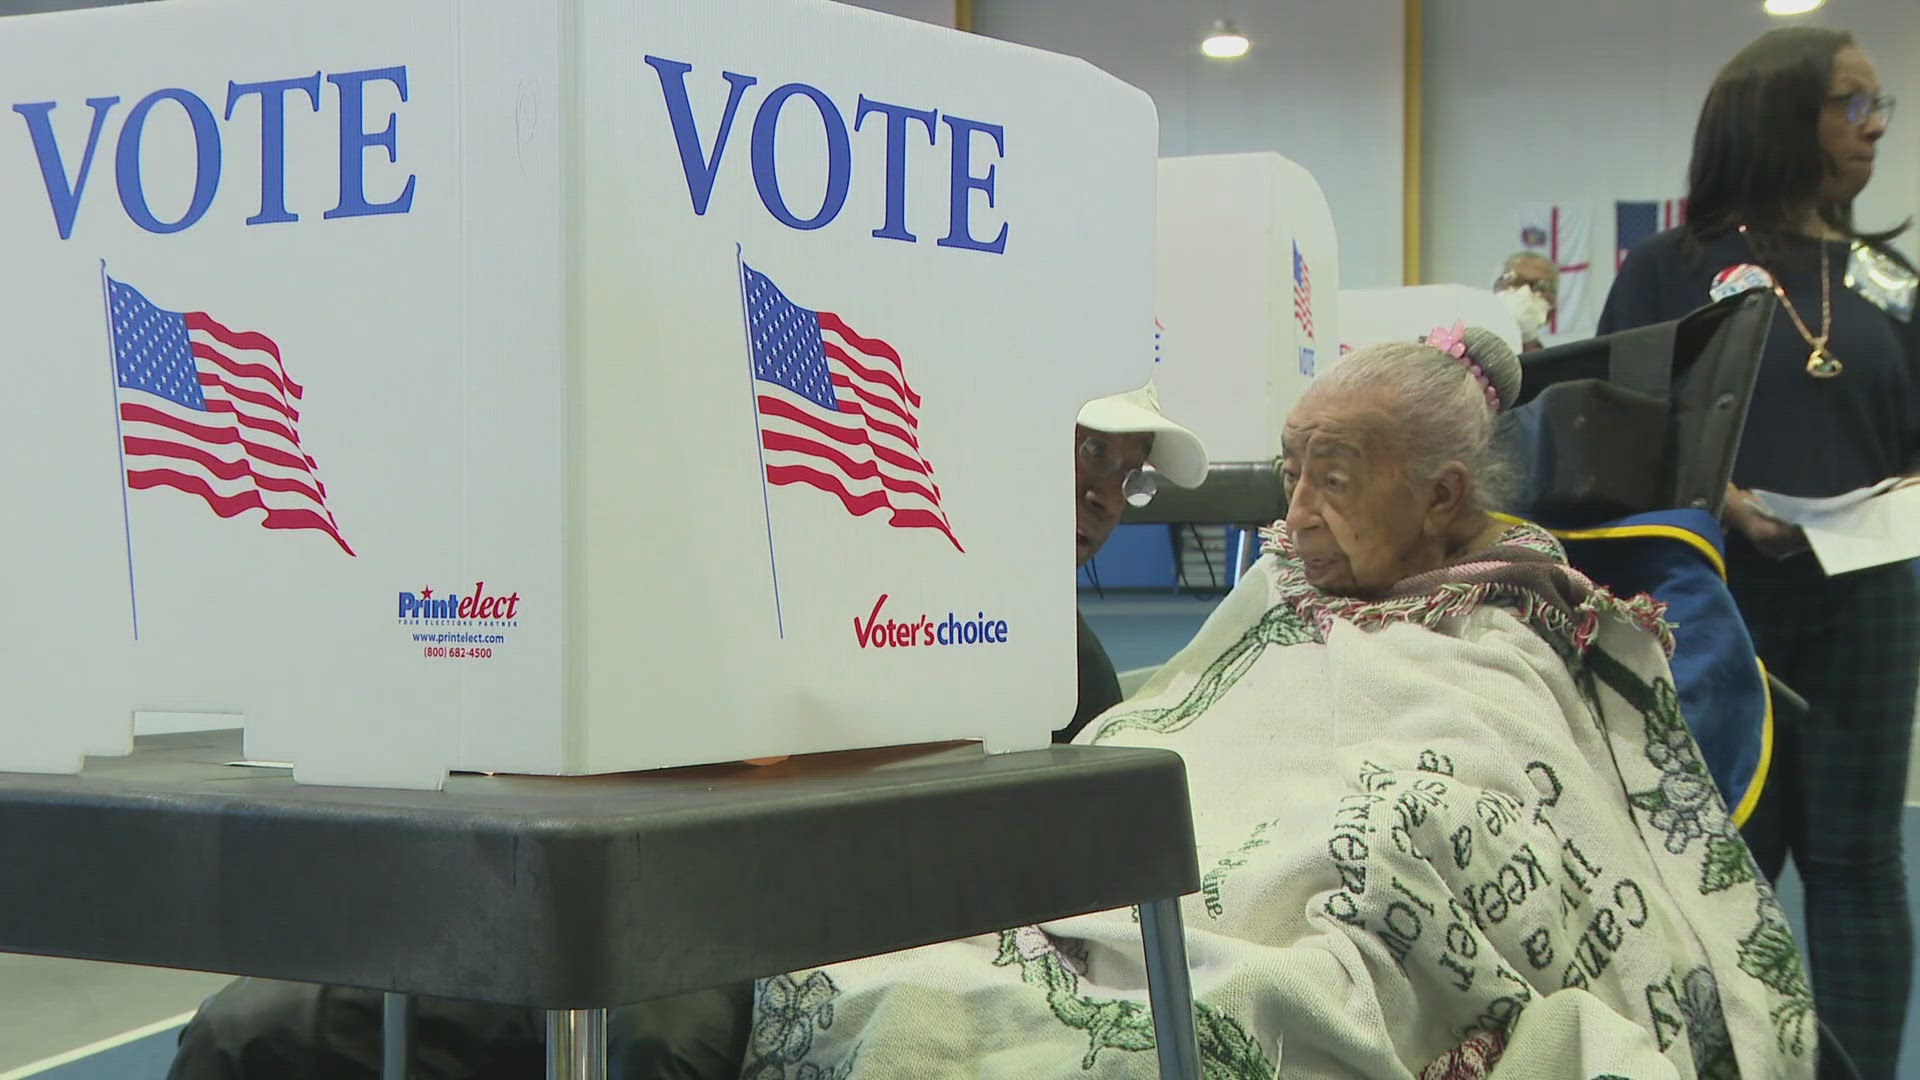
(1785, 143)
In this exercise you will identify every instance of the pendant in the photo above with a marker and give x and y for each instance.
(1822, 364)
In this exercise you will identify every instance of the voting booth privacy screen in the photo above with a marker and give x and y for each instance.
(557, 387)
(1247, 295)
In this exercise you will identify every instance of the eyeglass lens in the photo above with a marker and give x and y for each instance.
(1861, 107)
(1138, 488)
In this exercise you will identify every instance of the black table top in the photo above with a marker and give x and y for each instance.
(576, 892)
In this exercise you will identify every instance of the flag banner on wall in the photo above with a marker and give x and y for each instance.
(1563, 232)
(1637, 221)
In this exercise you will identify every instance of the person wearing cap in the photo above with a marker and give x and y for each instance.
(1115, 438)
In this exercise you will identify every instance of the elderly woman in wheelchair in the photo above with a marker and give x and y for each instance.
(1450, 820)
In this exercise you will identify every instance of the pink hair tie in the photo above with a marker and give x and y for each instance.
(1451, 342)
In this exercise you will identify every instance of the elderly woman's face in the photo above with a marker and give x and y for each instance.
(1358, 524)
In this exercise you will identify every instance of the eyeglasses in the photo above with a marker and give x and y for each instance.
(1103, 463)
(1862, 106)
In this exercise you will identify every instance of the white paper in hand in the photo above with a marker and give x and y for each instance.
(1870, 527)
(1795, 510)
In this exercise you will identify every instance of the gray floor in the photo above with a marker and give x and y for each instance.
(53, 1006)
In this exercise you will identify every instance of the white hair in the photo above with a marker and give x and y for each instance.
(1442, 411)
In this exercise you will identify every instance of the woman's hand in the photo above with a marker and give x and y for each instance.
(1775, 538)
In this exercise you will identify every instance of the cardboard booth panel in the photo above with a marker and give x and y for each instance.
(434, 409)
(232, 311)
(1368, 316)
(1247, 294)
(878, 267)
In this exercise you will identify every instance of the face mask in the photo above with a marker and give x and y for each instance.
(1529, 309)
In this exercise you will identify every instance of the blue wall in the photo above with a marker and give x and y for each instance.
(1135, 557)
(1142, 557)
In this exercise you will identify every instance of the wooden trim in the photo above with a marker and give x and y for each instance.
(1411, 152)
(963, 15)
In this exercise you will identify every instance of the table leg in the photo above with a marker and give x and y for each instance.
(1170, 989)
(577, 1044)
(396, 1036)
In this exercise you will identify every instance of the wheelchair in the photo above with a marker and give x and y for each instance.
(1626, 444)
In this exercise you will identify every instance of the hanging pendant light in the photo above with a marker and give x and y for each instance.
(1226, 42)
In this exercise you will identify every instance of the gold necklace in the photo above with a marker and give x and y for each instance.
(1821, 364)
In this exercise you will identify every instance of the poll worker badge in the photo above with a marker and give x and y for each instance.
(1735, 280)
(1882, 280)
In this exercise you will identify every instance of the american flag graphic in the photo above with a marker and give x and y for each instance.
(837, 413)
(1637, 221)
(1302, 294)
(212, 412)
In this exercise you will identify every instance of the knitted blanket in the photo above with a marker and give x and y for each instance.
(1458, 831)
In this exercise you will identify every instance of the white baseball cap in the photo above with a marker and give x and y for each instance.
(1177, 453)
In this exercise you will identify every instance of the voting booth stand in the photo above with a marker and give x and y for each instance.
(1370, 316)
(367, 386)
(1247, 290)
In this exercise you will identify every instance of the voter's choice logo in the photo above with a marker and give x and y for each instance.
(891, 630)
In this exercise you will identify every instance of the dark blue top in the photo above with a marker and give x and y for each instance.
(1804, 436)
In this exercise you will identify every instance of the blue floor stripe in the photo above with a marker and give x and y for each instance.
(141, 1059)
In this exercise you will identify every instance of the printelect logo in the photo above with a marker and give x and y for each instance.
(476, 605)
(876, 633)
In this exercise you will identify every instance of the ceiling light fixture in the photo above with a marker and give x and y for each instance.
(1226, 42)
(1791, 7)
